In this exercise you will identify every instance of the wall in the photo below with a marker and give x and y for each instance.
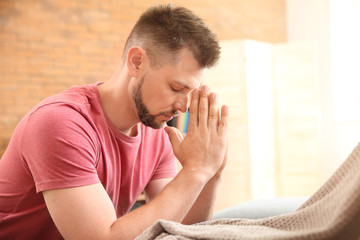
(47, 46)
(271, 90)
(311, 21)
(345, 51)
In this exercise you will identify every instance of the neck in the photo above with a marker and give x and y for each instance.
(116, 97)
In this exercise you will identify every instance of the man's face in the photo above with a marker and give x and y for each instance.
(145, 116)
(163, 93)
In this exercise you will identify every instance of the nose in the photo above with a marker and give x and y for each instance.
(182, 103)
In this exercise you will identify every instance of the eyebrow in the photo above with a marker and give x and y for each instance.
(182, 84)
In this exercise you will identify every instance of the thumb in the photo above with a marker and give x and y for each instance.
(175, 136)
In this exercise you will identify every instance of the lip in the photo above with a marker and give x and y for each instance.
(168, 117)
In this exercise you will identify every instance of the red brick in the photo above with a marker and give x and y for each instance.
(47, 46)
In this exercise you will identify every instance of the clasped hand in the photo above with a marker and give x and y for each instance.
(203, 150)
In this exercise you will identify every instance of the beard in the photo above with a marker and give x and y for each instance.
(143, 113)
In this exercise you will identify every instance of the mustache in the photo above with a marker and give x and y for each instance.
(173, 112)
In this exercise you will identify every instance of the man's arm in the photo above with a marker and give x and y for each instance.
(87, 212)
(203, 208)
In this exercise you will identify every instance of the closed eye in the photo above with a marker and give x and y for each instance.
(176, 89)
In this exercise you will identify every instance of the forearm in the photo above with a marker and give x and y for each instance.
(173, 203)
(203, 208)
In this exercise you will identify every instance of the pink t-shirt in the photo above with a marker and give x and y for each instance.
(68, 141)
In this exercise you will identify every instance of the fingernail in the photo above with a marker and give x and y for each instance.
(225, 109)
(204, 88)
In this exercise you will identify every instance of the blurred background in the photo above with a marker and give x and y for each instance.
(289, 72)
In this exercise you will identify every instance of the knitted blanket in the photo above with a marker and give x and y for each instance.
(333, 212)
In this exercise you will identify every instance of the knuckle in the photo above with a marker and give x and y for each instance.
(204, 94)
(223, 123)
(212, 117)
(222, 128)
(202, 109)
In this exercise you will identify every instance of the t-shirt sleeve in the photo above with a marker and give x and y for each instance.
(59, 148)
(167, 166)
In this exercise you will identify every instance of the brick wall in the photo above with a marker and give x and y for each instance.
(49, 45)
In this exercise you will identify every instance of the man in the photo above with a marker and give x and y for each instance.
(77, 162)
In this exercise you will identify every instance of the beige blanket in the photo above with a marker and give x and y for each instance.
(333, 212)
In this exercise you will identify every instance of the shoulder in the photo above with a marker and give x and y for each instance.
(75, 97)
(73, 104)
(68, 112)
(57, 122)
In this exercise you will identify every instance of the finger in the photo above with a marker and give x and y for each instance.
(175, 140)
(223, 123)
(179, 134)
(193, 109)
(213, 112)
(226, 151)
(203, 106)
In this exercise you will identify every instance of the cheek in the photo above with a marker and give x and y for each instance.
(164, 99)
(157, 95)
(159, 100)
(168, 102)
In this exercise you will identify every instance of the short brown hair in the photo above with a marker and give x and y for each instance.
(163, 30)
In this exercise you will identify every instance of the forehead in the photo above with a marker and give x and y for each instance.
(186, 71)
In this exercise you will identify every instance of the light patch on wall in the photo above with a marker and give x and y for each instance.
(259, 92)
(345, 38)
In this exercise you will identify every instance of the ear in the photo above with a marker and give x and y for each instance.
(135, 60)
